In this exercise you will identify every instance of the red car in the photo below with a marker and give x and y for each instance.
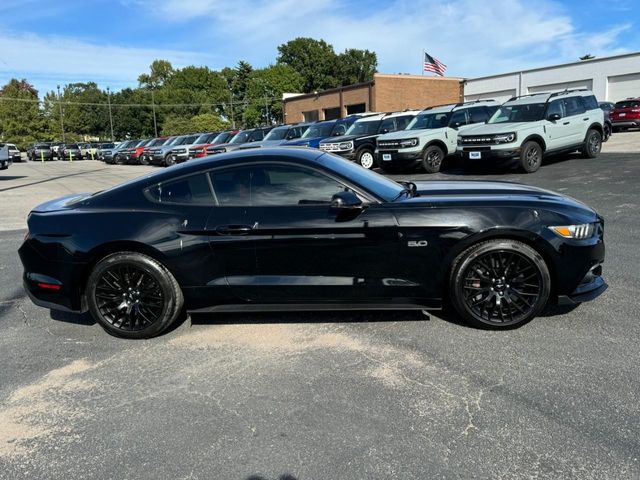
(143, 158)
(199, 151)
(625, 114)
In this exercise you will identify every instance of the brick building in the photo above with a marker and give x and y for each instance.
(386, 93)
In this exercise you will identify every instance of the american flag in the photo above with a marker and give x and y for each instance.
(432, 64)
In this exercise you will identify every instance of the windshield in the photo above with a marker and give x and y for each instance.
(628, 104)
(204, 138)
(157, 142)
(277, 134)
(43, 147)
(71, 146)
(190, 140)
(241, 137)
(526, 112)
(429, 120)
(107, 145)
(318, 130)
(172, 141)
(377, 184)
(364, 127)
(224, 137)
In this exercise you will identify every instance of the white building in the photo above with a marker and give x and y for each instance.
(610, 78)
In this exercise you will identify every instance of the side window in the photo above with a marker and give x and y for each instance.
(590, 102)
(256, 136)
(573, 106)
(193, 190)
(273, 185)
(478, 115)
(556, 107)
(295, 132)
(458, 118)
(491, 110)
(387, 125)
(402, 122)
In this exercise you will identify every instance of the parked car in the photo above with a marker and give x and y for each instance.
(431, 136)
(180, 153)
(606, 106)
(108, 155)
(201, 144)
(5, 156)
(84, 148)
(162, 155)
(279, 135)
(626, 114)
(69, 151)
(14, 152)
(55, 146)
(40, 151)
(283, 229)
(144, 157)
(221, 139)
(322, 130)
(243, 137)
(531, 127)
(92, 151)
(131, 155)
(359, 142)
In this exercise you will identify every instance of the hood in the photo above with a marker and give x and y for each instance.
(306, 141)
(267, 143)
(400, 134)
(346, 138)
(61, 203)
(493, 128)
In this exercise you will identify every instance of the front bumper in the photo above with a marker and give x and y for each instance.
(5, 163)
(488, 153)
(398, 157)
(592, 286)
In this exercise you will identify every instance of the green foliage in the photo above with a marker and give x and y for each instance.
(265, 89)
(205, 122)
(159, 72)
(356, 66)
(21, 122)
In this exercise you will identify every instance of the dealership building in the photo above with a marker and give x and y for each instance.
(610, 78)
(385, 93)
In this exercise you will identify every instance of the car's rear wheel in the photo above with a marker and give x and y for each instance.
(592, 144)
(499, 284)
(142, 159)
(432, 159)
(169, 160)
(531, 157)
(365, 159)
(133, 296)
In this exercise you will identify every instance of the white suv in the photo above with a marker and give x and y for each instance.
(530, 127)
(431, 136)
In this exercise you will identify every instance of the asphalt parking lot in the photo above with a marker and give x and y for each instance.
(328, 395)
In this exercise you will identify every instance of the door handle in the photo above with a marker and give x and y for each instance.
(235, 229)
(586, 119)
(566, 123)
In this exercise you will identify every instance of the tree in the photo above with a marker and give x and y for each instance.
(21, 120)
(160, 72)
(356, 66)
(265, 89)
(132, 121)
(588, 56)
(314, 60)
(206, 122)
(194, 85)
(85, 110)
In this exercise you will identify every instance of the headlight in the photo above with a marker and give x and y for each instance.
(577, 232)
(346, 146)
(409, 142)
(505, 137)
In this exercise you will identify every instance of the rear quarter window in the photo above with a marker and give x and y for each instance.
(590, 102)
(192, 190)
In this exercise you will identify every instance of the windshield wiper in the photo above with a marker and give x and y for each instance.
(410, 189)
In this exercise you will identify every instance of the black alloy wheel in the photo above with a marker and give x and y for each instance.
(432, 159)
(592, 144)
(500, 284)
(169, 160)
(133, 296)
(531, 157)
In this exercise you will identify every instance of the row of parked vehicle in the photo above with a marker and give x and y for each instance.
(524, 129)
(65, 151)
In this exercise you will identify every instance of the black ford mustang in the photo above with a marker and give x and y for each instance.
(295, 229)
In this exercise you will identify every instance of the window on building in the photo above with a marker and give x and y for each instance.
(332, 113)
(356, 108)
(310, 116)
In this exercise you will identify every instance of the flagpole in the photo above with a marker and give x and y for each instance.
(422, 63)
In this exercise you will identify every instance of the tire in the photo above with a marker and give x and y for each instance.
(169, 161)
(432, 159)
(531, 157)
(143, 160)
(118, 160)
(607, 132)
(499, 284)
(149, 295)
(366, 159)
(592, 144)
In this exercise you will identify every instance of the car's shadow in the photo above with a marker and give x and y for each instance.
(12, 177)
(73, 318)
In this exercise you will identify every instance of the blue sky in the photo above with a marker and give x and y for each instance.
(112, 41)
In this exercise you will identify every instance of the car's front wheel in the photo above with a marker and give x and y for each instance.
(592, 144)
(531, 157)
(432, 159)
(132, 295)
(499, 284)
(365, 159)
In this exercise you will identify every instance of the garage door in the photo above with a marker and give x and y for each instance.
(623, 86)
(500, 96)
(558, 87)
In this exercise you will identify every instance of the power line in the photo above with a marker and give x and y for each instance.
(221, 104)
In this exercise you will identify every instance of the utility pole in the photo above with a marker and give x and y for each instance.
(110, 116)
(153, 105)
(61, 115)
(233, 122)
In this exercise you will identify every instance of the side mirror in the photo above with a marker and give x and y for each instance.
(456, 125)
(554, 117)
(346, 200)
(385, 130)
